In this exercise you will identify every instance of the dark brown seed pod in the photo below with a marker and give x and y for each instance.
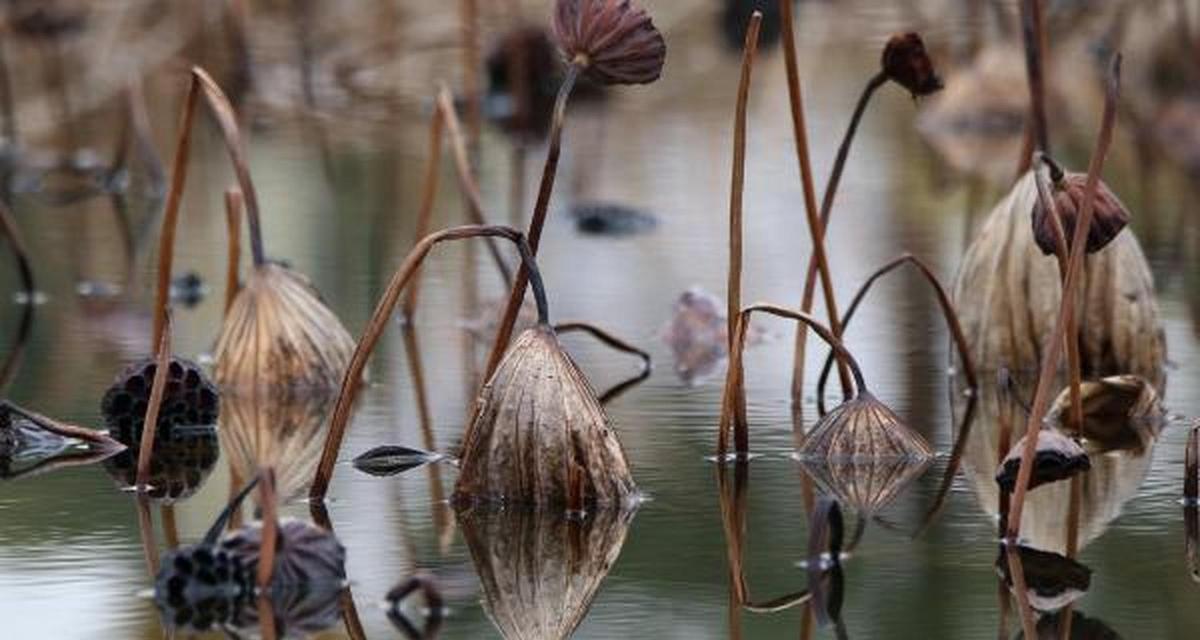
(862, 429)
(279, 335)
(1058, 458)
(180, 462)
(614, 40)
(537, 419)
(1108, 219)
(906, 63)
(190, 399)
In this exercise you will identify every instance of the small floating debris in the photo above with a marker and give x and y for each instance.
(390, 460)
(611, 219)
(1058, 458)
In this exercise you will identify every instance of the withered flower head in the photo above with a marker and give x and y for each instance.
(863, 429)
(1058, 458)
(1109, 216)
(614, 40)
(540, 436)
(906, 63)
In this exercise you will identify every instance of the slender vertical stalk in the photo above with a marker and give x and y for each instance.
(158, 387)
(146, 530)
(1017, 570)
(831, 187)
(737, 188)
(428, 196)
(169, 526)
(517, 294)
(270, 530)
(233, 225)
(1033, 32)
(379, 322)
(1191, 467)
(1053, 348)
(800, 132)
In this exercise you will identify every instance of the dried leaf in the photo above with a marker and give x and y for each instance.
(390, 460)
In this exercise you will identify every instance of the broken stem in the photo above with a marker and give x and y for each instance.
(944, 302)
(158, 387)
(735, 392)
(815, 227)
(1053, 348)
(516, 295)
(378, 324)
(831, 187)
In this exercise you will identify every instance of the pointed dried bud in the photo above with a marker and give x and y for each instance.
(863, 429)
(1108, 218)
(538, 418)
(906, 63)
(615, 40)
(1058, 458)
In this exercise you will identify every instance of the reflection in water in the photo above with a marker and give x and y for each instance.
(434, 613)
(1052, 581)
(283, 431)
(540, 571)
(867, 485)
(181, 461)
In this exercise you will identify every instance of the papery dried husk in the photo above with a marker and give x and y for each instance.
(1052, 581)
(863, 429)
(180, 463)
(282, 432)
(540, 571)
(278, 335)
(616, 38)
(1008, 296)
(1119, 413)
(867, 485)
(537, 419)
(1113, 480)
(1056, 458)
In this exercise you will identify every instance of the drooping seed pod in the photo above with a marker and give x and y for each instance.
(541, 570)
(615, 40)
(537, 421)
(862, 429)
(906, 63)
(190, 399)
(279, 335)
(1120, 413)
(1058, 458)
(181, 461)
(1052, 581)
(1109, 218)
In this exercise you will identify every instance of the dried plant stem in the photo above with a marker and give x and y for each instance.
(162, 362)
(429, 188)
(1032, 29)
(98, 439)
(517, 294)
(734, 394)
(1017, 570)
(270, 530)
(442, 520)
(9, 230)
(944, 302)
(146, 529)
(233, 225)
(738, 180)
(379, 323)
(815, 228)
(1053, 347)
(605, 337)
(835, 178)
(1062, 252)
(1191, 467)
(733, 523)
(223, 113)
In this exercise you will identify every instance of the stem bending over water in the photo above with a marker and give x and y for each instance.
(517, 295)
(1053, 347)
(379, 323)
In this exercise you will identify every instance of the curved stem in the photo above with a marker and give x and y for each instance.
(8, 228)
(1033, 32)
(223, 113)
(606, 338)
(831, 187)
(428, 197)
(800, 133)
(944, 302)
(379, 323)
(734, 394)
(158, 388)
(1053, 348)
(233, 225)
(516, 296)
(738, 179)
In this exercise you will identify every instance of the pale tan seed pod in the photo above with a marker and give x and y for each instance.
(540, 436)
(540, 570)
(861, 429)
(278, 335)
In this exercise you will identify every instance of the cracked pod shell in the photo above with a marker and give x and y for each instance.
(537, 424)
